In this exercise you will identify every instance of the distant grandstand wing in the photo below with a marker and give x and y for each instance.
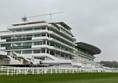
(88, 48)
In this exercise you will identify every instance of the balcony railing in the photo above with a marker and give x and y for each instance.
(63, 38)
(85, 55)
(24, 33)
(2, 41)
(18, 47)
(18, 39)
(2, 48)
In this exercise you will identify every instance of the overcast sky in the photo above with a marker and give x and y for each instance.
(92, 21)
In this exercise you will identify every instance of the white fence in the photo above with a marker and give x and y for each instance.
(45, 70)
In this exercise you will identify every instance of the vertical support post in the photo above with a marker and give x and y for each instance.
(7, 70)
(32, 70)
(51, 70)
(17, 71)
(25, 71)
(45, 50)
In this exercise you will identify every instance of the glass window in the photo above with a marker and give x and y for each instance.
(53, 44)
(27, 51)
(28, 36)
(28, 29)
(42, 50)
(27, 44)
(37, 35)
(18, 52)
(43, 28)
(17, 44)
(36, 51)
(38, 43)
(18, 30)
(48, 35)
(5, 37)
(44, 42)
(48, 42)
(38, 28)
(18, 37)
(43, 34)
(5, 45)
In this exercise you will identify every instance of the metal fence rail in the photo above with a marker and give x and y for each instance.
(45, 70)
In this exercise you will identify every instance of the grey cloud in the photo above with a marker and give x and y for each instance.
(92, 21)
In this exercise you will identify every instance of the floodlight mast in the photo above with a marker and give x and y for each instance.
(24, 19)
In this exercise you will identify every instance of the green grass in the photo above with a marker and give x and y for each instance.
(62, 78)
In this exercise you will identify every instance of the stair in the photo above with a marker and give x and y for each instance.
(14, 61)
(19, 59)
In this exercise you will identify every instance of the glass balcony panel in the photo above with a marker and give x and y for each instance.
(18, 47)
(36, 51)
(38, 43)
(27, 44)
(27, 52)
(18, 39)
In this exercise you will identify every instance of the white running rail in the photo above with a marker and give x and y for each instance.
(46, 70)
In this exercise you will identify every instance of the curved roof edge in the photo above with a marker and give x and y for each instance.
(88, 48)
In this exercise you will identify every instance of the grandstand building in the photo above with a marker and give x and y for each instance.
(86, 52)
(40, 42)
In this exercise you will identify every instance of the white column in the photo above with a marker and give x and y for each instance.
(49, 51)
(45, 50)
(46, 42)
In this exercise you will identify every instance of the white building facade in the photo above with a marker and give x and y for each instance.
(40, 42)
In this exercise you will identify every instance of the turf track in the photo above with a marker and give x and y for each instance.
(62, 78)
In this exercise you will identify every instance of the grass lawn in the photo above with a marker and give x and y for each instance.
(62, 78)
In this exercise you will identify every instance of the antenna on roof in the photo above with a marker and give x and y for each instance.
(24, 18)
(50, 14)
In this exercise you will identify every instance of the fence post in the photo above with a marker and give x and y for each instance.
(7, 70)
(25, 71)
(32, 70)
(38, 71)
(51, 70)
(12, 71)
(16, 71)
(1, 68)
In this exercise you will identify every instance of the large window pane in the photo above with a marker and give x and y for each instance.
(28, 29)
(18, 30)
(27, 51)
(17, 44)
(27, 44)
(17, 37)
(36, 51)
(5, 37)
(5, 45)
(38, 43)
(43, 34)
(42, 50)
(37, 35)
(18, 52)
(38, 28)
(43, 28)
(28, 36)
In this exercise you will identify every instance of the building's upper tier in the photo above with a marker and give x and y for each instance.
(56, 24)
(88, 48)
(28, 26)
